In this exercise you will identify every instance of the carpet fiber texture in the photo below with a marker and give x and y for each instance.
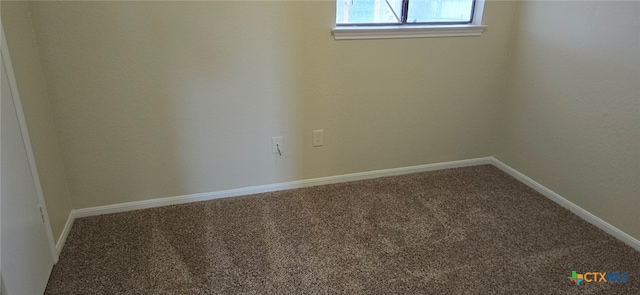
(472, 230)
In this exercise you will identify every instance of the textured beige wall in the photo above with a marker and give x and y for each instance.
(159, 99)
(35, 102)
(571, 120)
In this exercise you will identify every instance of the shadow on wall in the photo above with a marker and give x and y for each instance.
(244, 92)
(216, 90)
(161, 99)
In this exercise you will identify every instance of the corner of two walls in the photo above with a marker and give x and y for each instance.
(35, 102)
(571, 114)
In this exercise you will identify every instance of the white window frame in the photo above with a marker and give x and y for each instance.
(475, 28)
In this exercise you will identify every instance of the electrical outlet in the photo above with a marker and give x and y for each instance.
(276, 145)
(318, 137)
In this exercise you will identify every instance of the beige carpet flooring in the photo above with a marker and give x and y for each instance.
(471, 230)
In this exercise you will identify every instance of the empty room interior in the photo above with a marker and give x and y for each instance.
(299, 147)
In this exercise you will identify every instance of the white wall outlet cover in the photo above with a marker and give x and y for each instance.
(276, 142)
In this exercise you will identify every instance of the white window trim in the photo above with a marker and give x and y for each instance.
(413, 31)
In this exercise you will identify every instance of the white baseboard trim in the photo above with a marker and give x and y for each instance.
(65, 232)
(130, 206)
(575, 209)
(123, 207)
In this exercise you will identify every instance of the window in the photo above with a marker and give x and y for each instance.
(374, 19)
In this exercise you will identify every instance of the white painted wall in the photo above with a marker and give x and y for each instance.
(160, 99)
(571, 118)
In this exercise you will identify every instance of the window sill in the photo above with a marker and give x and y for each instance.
(397, 32)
